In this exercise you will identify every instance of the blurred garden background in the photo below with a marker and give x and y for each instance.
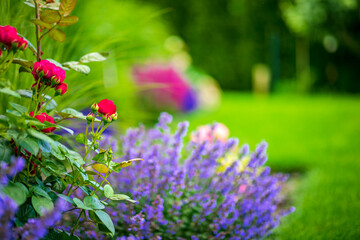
(286, 71)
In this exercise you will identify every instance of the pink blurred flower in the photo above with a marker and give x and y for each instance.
(205, 133)
(167, 87)
(242, 188)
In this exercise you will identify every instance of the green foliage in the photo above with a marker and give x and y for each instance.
(52, 169)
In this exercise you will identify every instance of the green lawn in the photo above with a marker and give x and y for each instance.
(318, 135)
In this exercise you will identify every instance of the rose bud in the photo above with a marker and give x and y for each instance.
(107, 119)
(0, 52)
(47, 72)
(94, 107)
(58, 75)
(90, 117)
(7, 35)
(107, 107)
(114, 116)
(61, 89)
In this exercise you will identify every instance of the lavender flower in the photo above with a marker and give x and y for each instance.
(37, 228)
(10, 170)
(8, 209)
(182, 194)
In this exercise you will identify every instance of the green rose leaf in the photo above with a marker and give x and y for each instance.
(94, 57)
(19, 108)
(71, 113)
(108, 191)
(67, 21)
(67, 6)
(106, 220)
(58, 35)
(23, 62)
(80, 204)
(77, 67)
(50, 16)
(67, 198)
(93, 203)
(29, 144)
(40, 135)
(119, 197)
(41, 204)
(40, 23)
(10, 92)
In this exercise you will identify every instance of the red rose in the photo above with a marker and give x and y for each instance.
(61, 89)
(7, 35)
(20, 43)
(107, 107)
(42, 117)
(48, 71)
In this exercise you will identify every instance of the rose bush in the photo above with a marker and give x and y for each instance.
(40, 176)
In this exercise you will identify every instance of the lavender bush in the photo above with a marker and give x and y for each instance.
(184, 192)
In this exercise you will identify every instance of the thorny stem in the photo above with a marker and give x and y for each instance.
(37, 32)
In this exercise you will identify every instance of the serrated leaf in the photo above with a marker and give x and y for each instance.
(119, 197)
(71, 113)
(41, 23)
(68, 20)
(25, 93)
(108, 191)
(23, 62)
(67, 6)
(78, 67)
(67, 198)
(75, 157)
(41, 204)
(128, 163)
(94, 57)
(39, 135)
(29, 144)
(50, 16)
(66, 129)
(101, 168)
(10, 92)
(58, 35)
(93, 202)
(106, 220)
(19, 108)
(56, 152)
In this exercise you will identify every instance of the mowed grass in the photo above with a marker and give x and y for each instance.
(316, 135)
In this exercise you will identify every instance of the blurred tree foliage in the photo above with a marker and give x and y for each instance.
(227, 37)
(332, 28)
(316, 40)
